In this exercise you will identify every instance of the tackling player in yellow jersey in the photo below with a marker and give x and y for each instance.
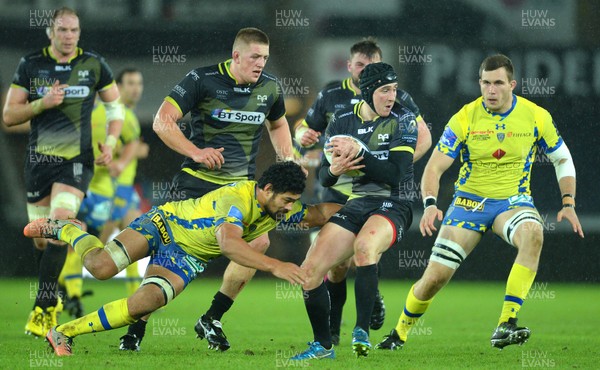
(181, 238)
(497, 137)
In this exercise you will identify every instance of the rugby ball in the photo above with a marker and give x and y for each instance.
(328, 155)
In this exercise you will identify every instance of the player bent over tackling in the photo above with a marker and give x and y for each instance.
(181, 238)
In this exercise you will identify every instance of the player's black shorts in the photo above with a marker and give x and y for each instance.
(356, 212)
(330, 195)
(187, 186)
(41, 173)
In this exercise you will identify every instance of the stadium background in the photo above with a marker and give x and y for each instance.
(435, 46)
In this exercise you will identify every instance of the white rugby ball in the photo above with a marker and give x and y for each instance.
(329, 155)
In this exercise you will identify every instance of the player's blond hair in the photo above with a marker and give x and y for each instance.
(248, 36)
(57, 14)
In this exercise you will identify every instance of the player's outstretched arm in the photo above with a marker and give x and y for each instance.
(430, 185)
(235, 248)
(165, 126)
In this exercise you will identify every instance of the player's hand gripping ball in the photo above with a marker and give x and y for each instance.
(330, 154)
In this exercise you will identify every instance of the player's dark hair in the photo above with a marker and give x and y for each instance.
(250, 35)
(125, 71)
(284, 177)
(367, 46)
(494, 62)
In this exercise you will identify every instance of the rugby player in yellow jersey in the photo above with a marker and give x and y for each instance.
(497, 137)
(181, 238)
(55, 88)
(230, 104)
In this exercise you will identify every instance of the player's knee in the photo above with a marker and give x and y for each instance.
(530, 242)
(100, 266)
(313, 277)
(364, 252)
(523, 228)
(432, 281)
(447, 253)
(161, 296)
(338, 273)
(64, 205)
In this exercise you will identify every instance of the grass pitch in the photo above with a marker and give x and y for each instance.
(268, 324)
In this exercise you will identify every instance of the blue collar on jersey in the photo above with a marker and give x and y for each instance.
(502, 115)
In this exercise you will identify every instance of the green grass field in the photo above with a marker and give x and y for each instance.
(268, 324)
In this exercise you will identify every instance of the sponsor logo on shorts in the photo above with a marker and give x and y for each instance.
(339, 215)
(160, 224)
(387, 205)
(228, 115)
(521, 198)
(469, 204)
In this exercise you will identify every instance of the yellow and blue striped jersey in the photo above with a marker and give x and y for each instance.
(193, 222)
(498, 150)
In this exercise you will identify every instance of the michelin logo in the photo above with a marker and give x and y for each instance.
(228, 115)
(70, 92)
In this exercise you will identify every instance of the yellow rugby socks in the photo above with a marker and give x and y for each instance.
(81, 241)
(111, 316)
(70, 276)
(413, 309)
(519, 282)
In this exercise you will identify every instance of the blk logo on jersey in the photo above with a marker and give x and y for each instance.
(499, 154)
(362, 131)
(242, 90)
(236, 116)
